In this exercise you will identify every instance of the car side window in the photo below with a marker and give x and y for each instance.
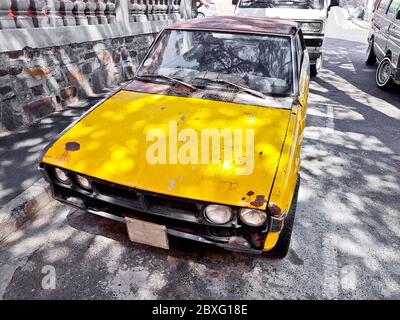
(393, 9)
(383, 6)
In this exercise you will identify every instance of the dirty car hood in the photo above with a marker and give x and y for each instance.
(110, 144)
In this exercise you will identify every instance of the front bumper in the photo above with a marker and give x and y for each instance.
(182, 218)
(314, 46)
(180, 234)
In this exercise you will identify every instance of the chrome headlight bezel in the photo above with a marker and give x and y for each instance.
(254, 214)
(212, 209)
(311, 26)
(62, 176)
(83, 182)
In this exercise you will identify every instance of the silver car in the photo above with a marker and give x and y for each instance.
(384, 43)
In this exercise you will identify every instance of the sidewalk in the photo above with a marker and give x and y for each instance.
(350, 7)
(20, 151)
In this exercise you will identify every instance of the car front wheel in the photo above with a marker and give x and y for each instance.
(316, 67)
(282, 246)
(383, 76)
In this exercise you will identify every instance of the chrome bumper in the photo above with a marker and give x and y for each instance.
(314, 46)
(184, 235)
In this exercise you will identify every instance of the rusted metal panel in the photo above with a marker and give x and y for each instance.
(239, 24)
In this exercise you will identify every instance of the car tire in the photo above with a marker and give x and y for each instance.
(281, 248)
(383, 77)
(200, 15)
(370, 57)
(313, 70)
(316, 67)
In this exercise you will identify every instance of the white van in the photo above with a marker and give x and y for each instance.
(311, 14)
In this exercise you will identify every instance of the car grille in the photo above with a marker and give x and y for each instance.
(316, 42)
(146, 201)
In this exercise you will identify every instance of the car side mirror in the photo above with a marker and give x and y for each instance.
(235, 2)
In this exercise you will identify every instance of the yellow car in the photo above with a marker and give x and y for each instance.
(203, 144)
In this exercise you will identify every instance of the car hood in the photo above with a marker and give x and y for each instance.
(112, 143)
(283, 13)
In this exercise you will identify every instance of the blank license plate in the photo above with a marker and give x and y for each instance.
(147, 233)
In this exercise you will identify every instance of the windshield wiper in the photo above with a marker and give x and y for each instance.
(161, 76)
(242, 88)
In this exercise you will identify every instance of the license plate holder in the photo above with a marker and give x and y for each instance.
(148, 233)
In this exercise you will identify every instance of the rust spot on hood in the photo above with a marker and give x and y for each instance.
(259, 201)
(72, 146)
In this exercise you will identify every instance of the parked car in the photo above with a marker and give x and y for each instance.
(311, 14)
(134, 157)
(384, 43)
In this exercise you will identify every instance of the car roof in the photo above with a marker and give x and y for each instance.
(239, 24)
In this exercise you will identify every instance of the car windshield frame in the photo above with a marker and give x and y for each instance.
(296, 4)
(293, 90)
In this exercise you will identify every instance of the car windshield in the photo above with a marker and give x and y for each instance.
(300, 4)
(254, 65)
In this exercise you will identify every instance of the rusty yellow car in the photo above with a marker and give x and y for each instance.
(203, 144)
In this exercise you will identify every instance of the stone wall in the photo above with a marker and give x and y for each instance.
(36, 82)
(57, 13)
(60, 53)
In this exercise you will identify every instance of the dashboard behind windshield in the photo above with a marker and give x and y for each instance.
(259, 62)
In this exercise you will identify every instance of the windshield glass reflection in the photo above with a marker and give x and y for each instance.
(251, 64)
(300, 4)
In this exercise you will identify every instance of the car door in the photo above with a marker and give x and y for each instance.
(381, 25)
(393, 35)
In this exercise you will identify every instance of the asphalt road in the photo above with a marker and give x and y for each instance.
(346, 241)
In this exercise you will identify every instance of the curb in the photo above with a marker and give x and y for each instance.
(356, 21)
(24, 207)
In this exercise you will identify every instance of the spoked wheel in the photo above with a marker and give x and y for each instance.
(383, 77)
(370, 57)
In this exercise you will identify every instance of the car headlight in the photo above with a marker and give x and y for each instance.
(218, 214)
(83, 182)
(311, 27)
(61, 176)
(252, 217)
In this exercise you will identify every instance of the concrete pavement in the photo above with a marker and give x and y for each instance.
(20, 151)
(346, 239)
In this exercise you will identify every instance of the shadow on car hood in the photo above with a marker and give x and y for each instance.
(120, 141)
